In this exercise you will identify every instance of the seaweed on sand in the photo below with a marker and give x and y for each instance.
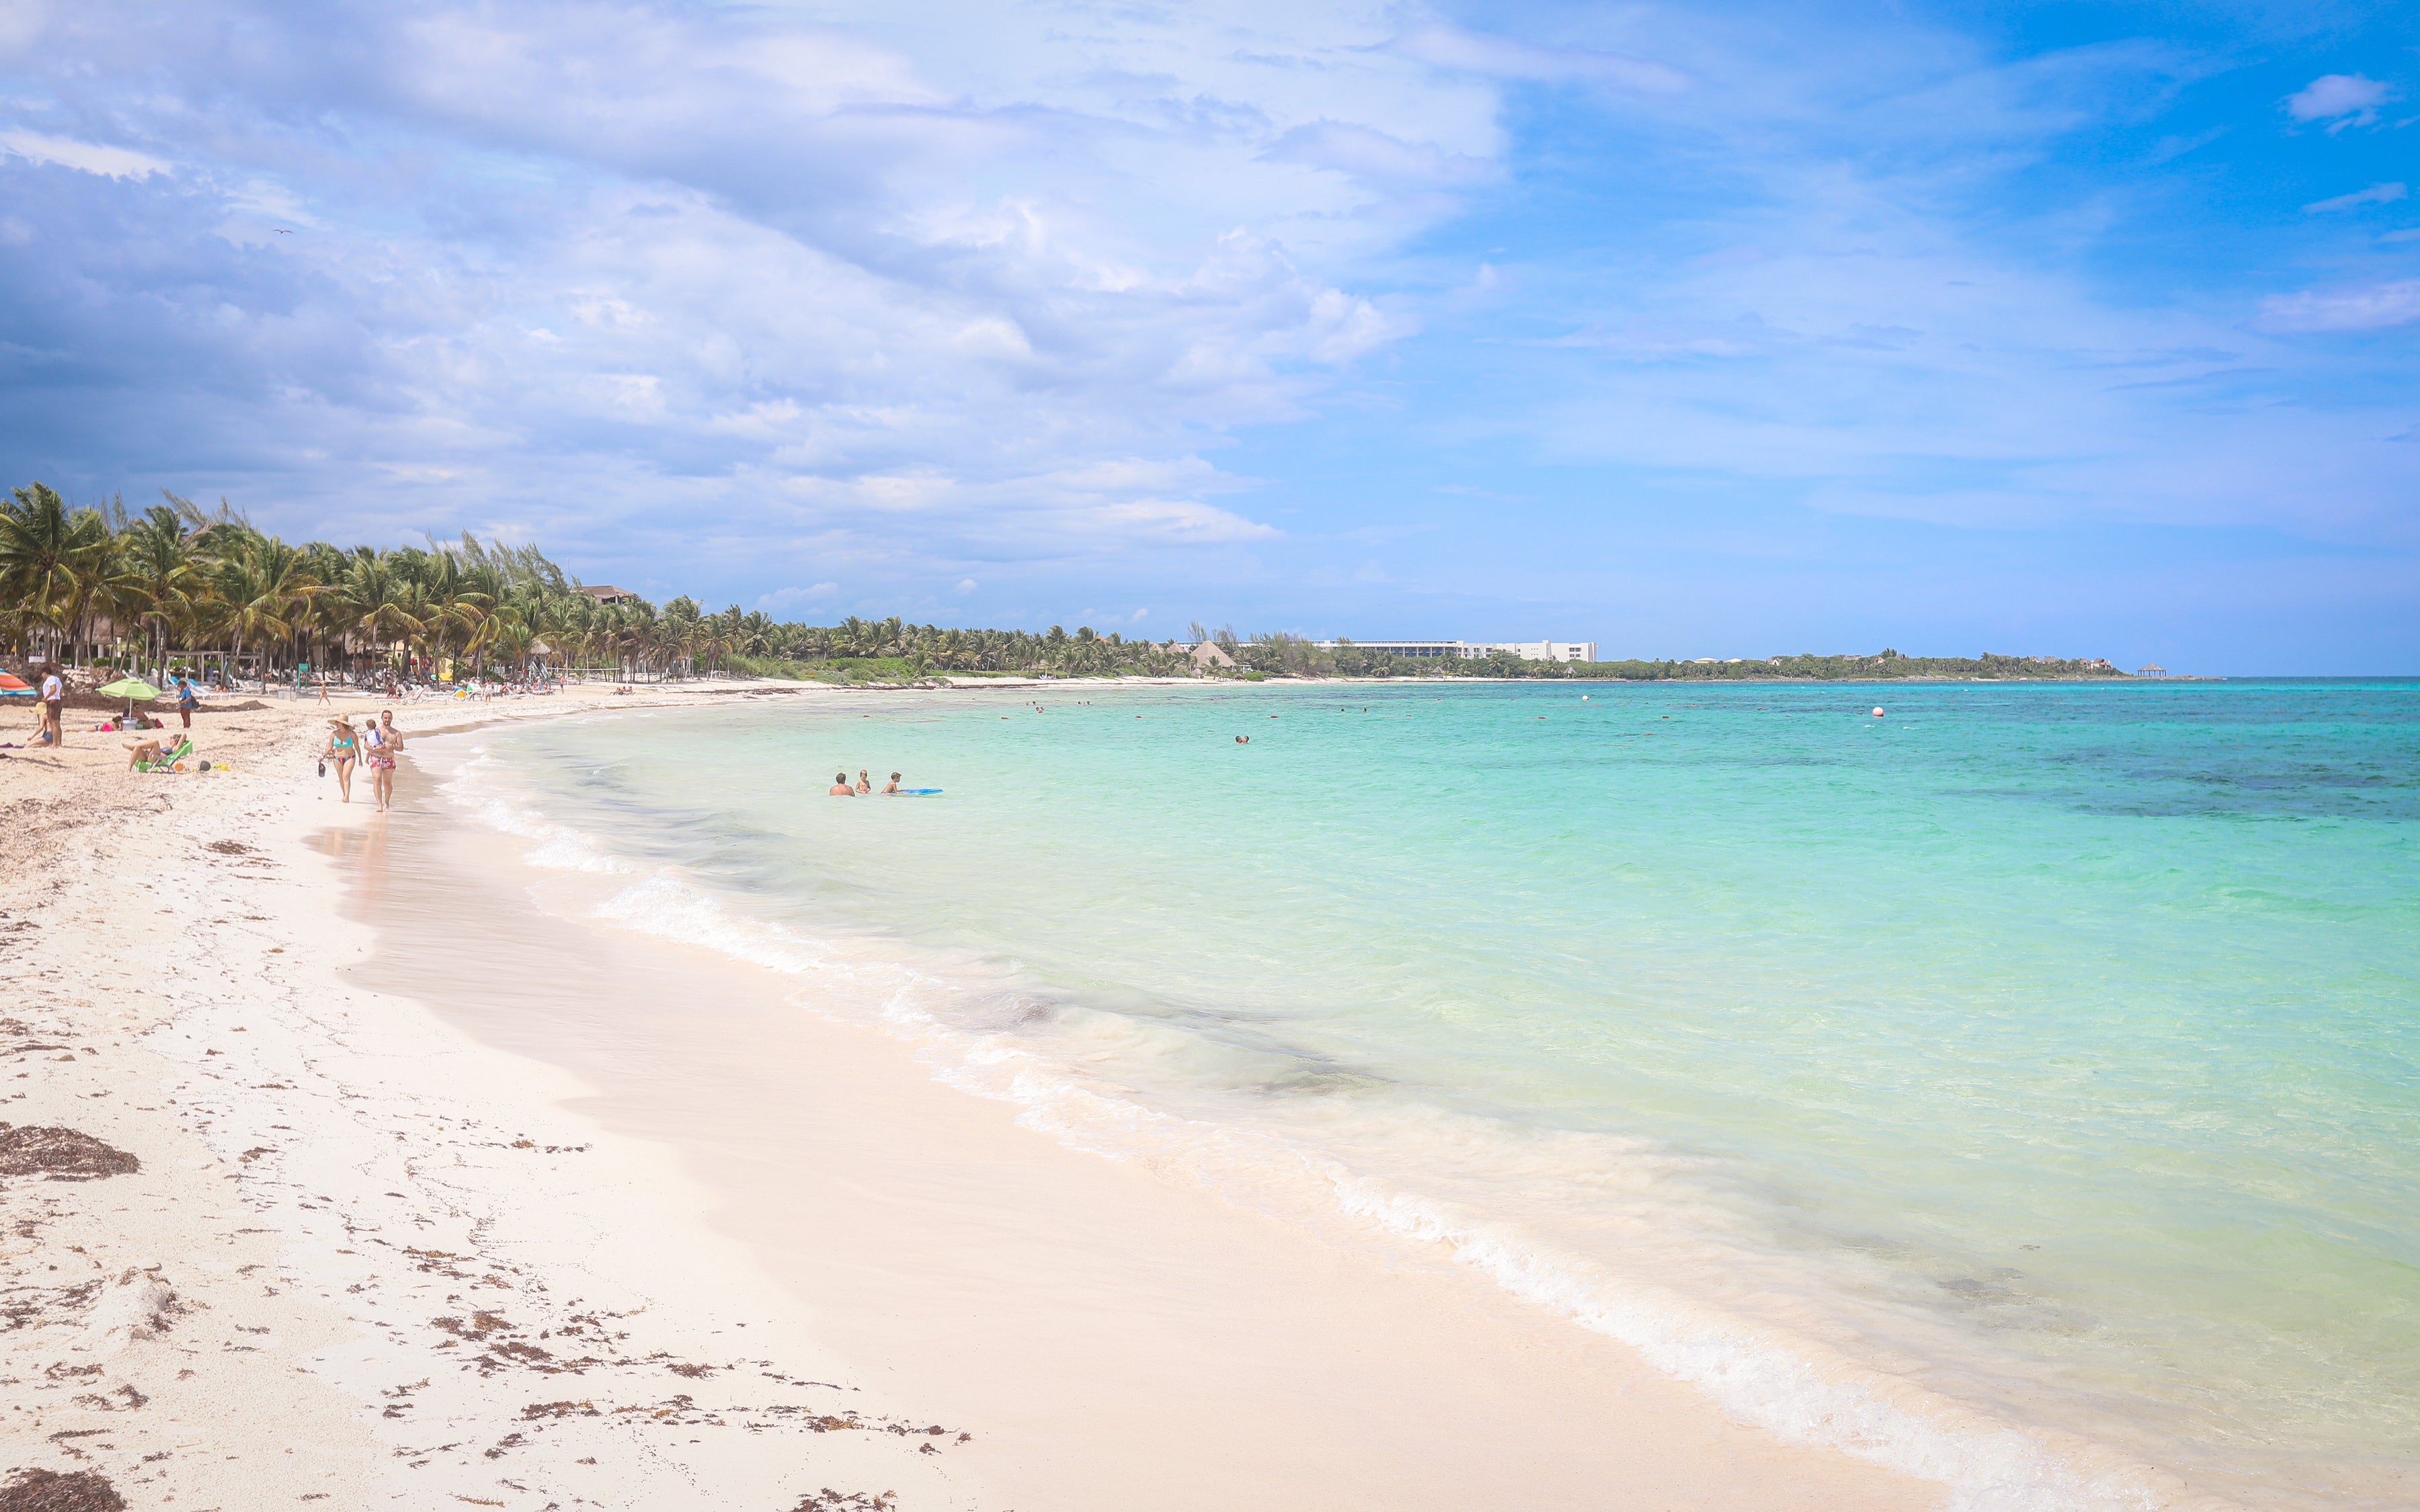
(60, 1154)
(47, 1490)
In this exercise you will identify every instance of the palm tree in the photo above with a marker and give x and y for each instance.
(371, 603)
(163, 579)
(52, 560)
(267, 589)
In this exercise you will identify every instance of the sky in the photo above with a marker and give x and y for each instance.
(1731, 329)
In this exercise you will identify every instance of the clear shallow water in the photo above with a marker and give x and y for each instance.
(2020, 1088)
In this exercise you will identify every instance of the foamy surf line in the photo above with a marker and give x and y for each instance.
(1796, 1389)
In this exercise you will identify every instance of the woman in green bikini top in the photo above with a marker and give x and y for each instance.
(342, 746)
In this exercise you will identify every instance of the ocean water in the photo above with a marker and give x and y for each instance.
(2021, 1089)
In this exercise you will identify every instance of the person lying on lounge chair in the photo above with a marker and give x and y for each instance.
(156, 755)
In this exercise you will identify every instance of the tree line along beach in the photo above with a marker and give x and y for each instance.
(177, 587)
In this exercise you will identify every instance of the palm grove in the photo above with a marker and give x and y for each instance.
(106, 583)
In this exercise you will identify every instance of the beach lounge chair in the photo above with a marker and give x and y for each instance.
(169, 759)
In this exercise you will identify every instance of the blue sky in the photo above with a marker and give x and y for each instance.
(1716, 331)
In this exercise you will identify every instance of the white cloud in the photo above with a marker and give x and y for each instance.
(21, 21)
(2345, 98)
(1178, 521)
(87, 157)
(999, 278)
(966, 585)
(1375, 156)
(638, 396)
(1446, 46)
(2374, 195)
(783, 600)
(2374, 307)
(766, 420)
(1648, 340)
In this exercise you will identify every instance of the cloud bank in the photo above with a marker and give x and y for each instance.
(1358, 318)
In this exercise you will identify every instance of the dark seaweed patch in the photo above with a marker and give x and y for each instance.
(60, 1154)
(46, 1490)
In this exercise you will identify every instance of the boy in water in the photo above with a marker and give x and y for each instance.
(892, 789)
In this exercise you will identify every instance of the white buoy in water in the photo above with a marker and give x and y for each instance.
(1583, 698)
(1878, 712)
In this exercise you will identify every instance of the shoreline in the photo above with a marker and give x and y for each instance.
(398, 1170)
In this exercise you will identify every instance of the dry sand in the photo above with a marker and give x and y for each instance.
(381, 1187)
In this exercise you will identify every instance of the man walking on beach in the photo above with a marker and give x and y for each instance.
(382, 743)
(54, 708)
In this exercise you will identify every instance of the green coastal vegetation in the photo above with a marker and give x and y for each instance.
(177, 585)
(1282, 654)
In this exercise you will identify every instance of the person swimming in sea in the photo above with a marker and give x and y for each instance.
(840, 787)
(864, 783)
(892, 791)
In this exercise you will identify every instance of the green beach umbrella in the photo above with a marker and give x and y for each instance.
(130, 688)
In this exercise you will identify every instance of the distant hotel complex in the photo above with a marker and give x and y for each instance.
(1525, 650)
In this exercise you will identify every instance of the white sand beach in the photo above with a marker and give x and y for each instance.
(381, 1186)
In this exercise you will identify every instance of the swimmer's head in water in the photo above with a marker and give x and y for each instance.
(841, 778)
(894, 777)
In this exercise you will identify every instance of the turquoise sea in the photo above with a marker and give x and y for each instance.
(2022, 1087)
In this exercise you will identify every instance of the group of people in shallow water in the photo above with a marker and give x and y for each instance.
(843, 788)
(375, 745)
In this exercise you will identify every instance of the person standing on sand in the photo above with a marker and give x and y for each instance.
(840, 787)
(187, 700)
(385, 743)
(342, 746)
(54, 708)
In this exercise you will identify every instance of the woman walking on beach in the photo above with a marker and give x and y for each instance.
(187, 700)
(385, 743)
(343, 745)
